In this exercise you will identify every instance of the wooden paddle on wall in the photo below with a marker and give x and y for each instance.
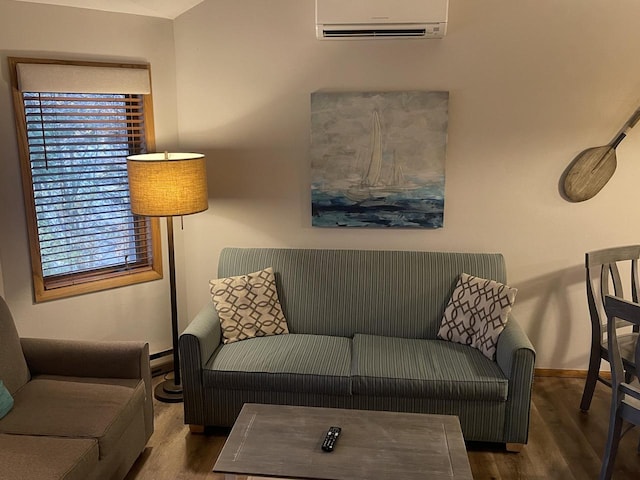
(592, 168)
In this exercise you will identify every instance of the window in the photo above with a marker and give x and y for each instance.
(76, 124)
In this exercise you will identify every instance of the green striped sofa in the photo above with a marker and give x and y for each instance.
(363, 328)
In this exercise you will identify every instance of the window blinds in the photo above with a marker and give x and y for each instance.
(78, 146)
(78, 143)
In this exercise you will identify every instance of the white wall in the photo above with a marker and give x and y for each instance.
(531, 82)
(140, 312)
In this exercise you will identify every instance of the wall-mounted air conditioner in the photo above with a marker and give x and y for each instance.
(373, 19)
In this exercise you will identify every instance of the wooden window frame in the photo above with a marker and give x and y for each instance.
(64, 286)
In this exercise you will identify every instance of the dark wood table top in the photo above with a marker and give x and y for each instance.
(285, 442)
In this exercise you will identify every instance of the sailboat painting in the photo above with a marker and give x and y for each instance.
(378, 158)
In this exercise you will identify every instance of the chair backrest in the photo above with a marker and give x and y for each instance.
(619, 309)
(603, 269)
(13, 367)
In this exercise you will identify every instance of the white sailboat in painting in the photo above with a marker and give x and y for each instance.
(372, 184)
(375, 164)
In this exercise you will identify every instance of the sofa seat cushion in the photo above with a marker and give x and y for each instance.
(73, 407)
(286, 363)
(47, 458)
(413, 368)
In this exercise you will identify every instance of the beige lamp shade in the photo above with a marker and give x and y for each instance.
(167, 184)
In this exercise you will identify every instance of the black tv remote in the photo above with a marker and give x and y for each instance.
(330, 439)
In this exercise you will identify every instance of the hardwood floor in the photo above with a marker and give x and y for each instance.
(563, 442)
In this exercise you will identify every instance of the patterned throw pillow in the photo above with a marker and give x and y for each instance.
(248, 306)
(6, 400)
(477, 313)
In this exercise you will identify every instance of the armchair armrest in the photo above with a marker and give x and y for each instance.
(515, 355)
(80, 358)
(197, 345)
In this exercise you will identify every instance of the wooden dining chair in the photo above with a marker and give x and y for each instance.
(625, 398)
(603, 272)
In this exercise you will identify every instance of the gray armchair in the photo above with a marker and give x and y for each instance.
(82, 409)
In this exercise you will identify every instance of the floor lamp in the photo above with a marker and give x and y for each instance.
(168, 185)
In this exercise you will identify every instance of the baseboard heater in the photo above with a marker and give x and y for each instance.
(161, 367)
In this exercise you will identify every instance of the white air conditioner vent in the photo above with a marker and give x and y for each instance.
(376, 19)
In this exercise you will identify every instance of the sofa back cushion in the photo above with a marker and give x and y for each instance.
(344, 292)
(13, 367)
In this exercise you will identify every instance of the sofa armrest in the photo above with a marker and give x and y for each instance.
(204, 329)
(80, 358)
(515, 355)
(197, 345)
(511, 340)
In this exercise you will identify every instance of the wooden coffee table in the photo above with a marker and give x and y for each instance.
(284, 442)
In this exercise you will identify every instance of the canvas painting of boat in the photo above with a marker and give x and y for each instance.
(378, 158)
